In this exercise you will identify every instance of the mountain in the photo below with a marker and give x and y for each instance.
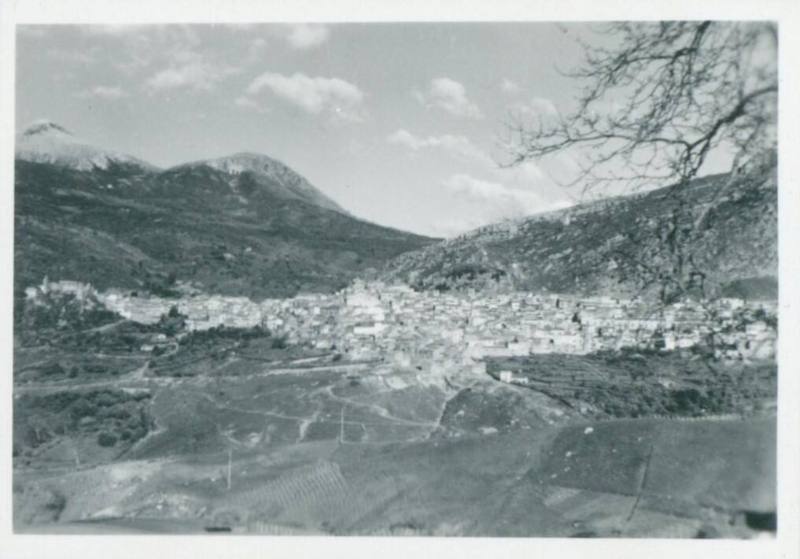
(47, 142)
(596, 247)
(239, 225)
(270, 174)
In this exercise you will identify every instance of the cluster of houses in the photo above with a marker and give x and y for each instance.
(389, 320)
(375, 320)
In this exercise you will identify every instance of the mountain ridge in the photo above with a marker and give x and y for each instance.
(598, 246)
(45, 141)
(239, 225)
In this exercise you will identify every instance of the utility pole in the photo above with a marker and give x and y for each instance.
(230, 457)
(341, 426)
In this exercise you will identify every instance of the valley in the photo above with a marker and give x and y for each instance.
(219, 347)
(183, 425)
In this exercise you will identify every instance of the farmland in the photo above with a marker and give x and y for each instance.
(308, 445)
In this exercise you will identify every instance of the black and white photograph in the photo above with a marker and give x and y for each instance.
(412, 279)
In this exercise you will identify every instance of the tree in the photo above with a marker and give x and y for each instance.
(655, 105)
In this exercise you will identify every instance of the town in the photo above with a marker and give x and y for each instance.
(429, 329)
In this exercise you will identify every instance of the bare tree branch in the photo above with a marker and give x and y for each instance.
(654, 106)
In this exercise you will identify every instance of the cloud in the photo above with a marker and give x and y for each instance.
(526, 173)
(314, 95)
(194, 75)
(255, 50)
(521, 202)
(537, 107)
(245, 102)
(104, 92)
(450, 96)
(151, 48)
(457, 145)
(495, 201)
(523, 175)
(189, 70)
(510, 87)
(306, 36)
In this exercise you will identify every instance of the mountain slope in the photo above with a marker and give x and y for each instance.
(255, 170)
(47, 142)
(595, 247)
(243, 225)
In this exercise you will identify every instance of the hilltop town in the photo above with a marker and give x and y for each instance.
(375, 320)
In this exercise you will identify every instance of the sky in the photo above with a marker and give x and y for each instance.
(401, 124)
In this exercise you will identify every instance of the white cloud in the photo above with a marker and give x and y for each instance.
(526, 173)
(315, 95)
(458, 145)
(490, 201)
(523, 175)
(255, 50)
(538, 107)
(188, 70)
(450, 96)
(509, 86)
(245, 102)
(104, 92)
(407, 139)
(517, 202)
(305, 35)
(155, 49)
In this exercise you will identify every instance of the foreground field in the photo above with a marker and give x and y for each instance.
(122, 427)
(251, 438)
(701, 478)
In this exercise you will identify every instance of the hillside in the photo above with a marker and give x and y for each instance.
(242, 225)
(47, 142)
(269, 175)
(593, 247)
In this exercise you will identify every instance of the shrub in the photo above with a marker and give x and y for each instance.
(279, 343)
(106, 439)
(83, 408)
(56, 504)
(54, 369)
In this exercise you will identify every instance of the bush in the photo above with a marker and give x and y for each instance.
(54, 369)
(83, 408)
(106, 439)
(279, 343)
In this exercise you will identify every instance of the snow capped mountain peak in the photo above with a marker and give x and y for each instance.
(45, 127)
(44, 141)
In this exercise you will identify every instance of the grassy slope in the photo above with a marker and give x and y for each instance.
(572, 250)
(622, 478)
(233, 235)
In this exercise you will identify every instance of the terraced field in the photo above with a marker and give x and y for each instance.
(308, 445)
(615, 478)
